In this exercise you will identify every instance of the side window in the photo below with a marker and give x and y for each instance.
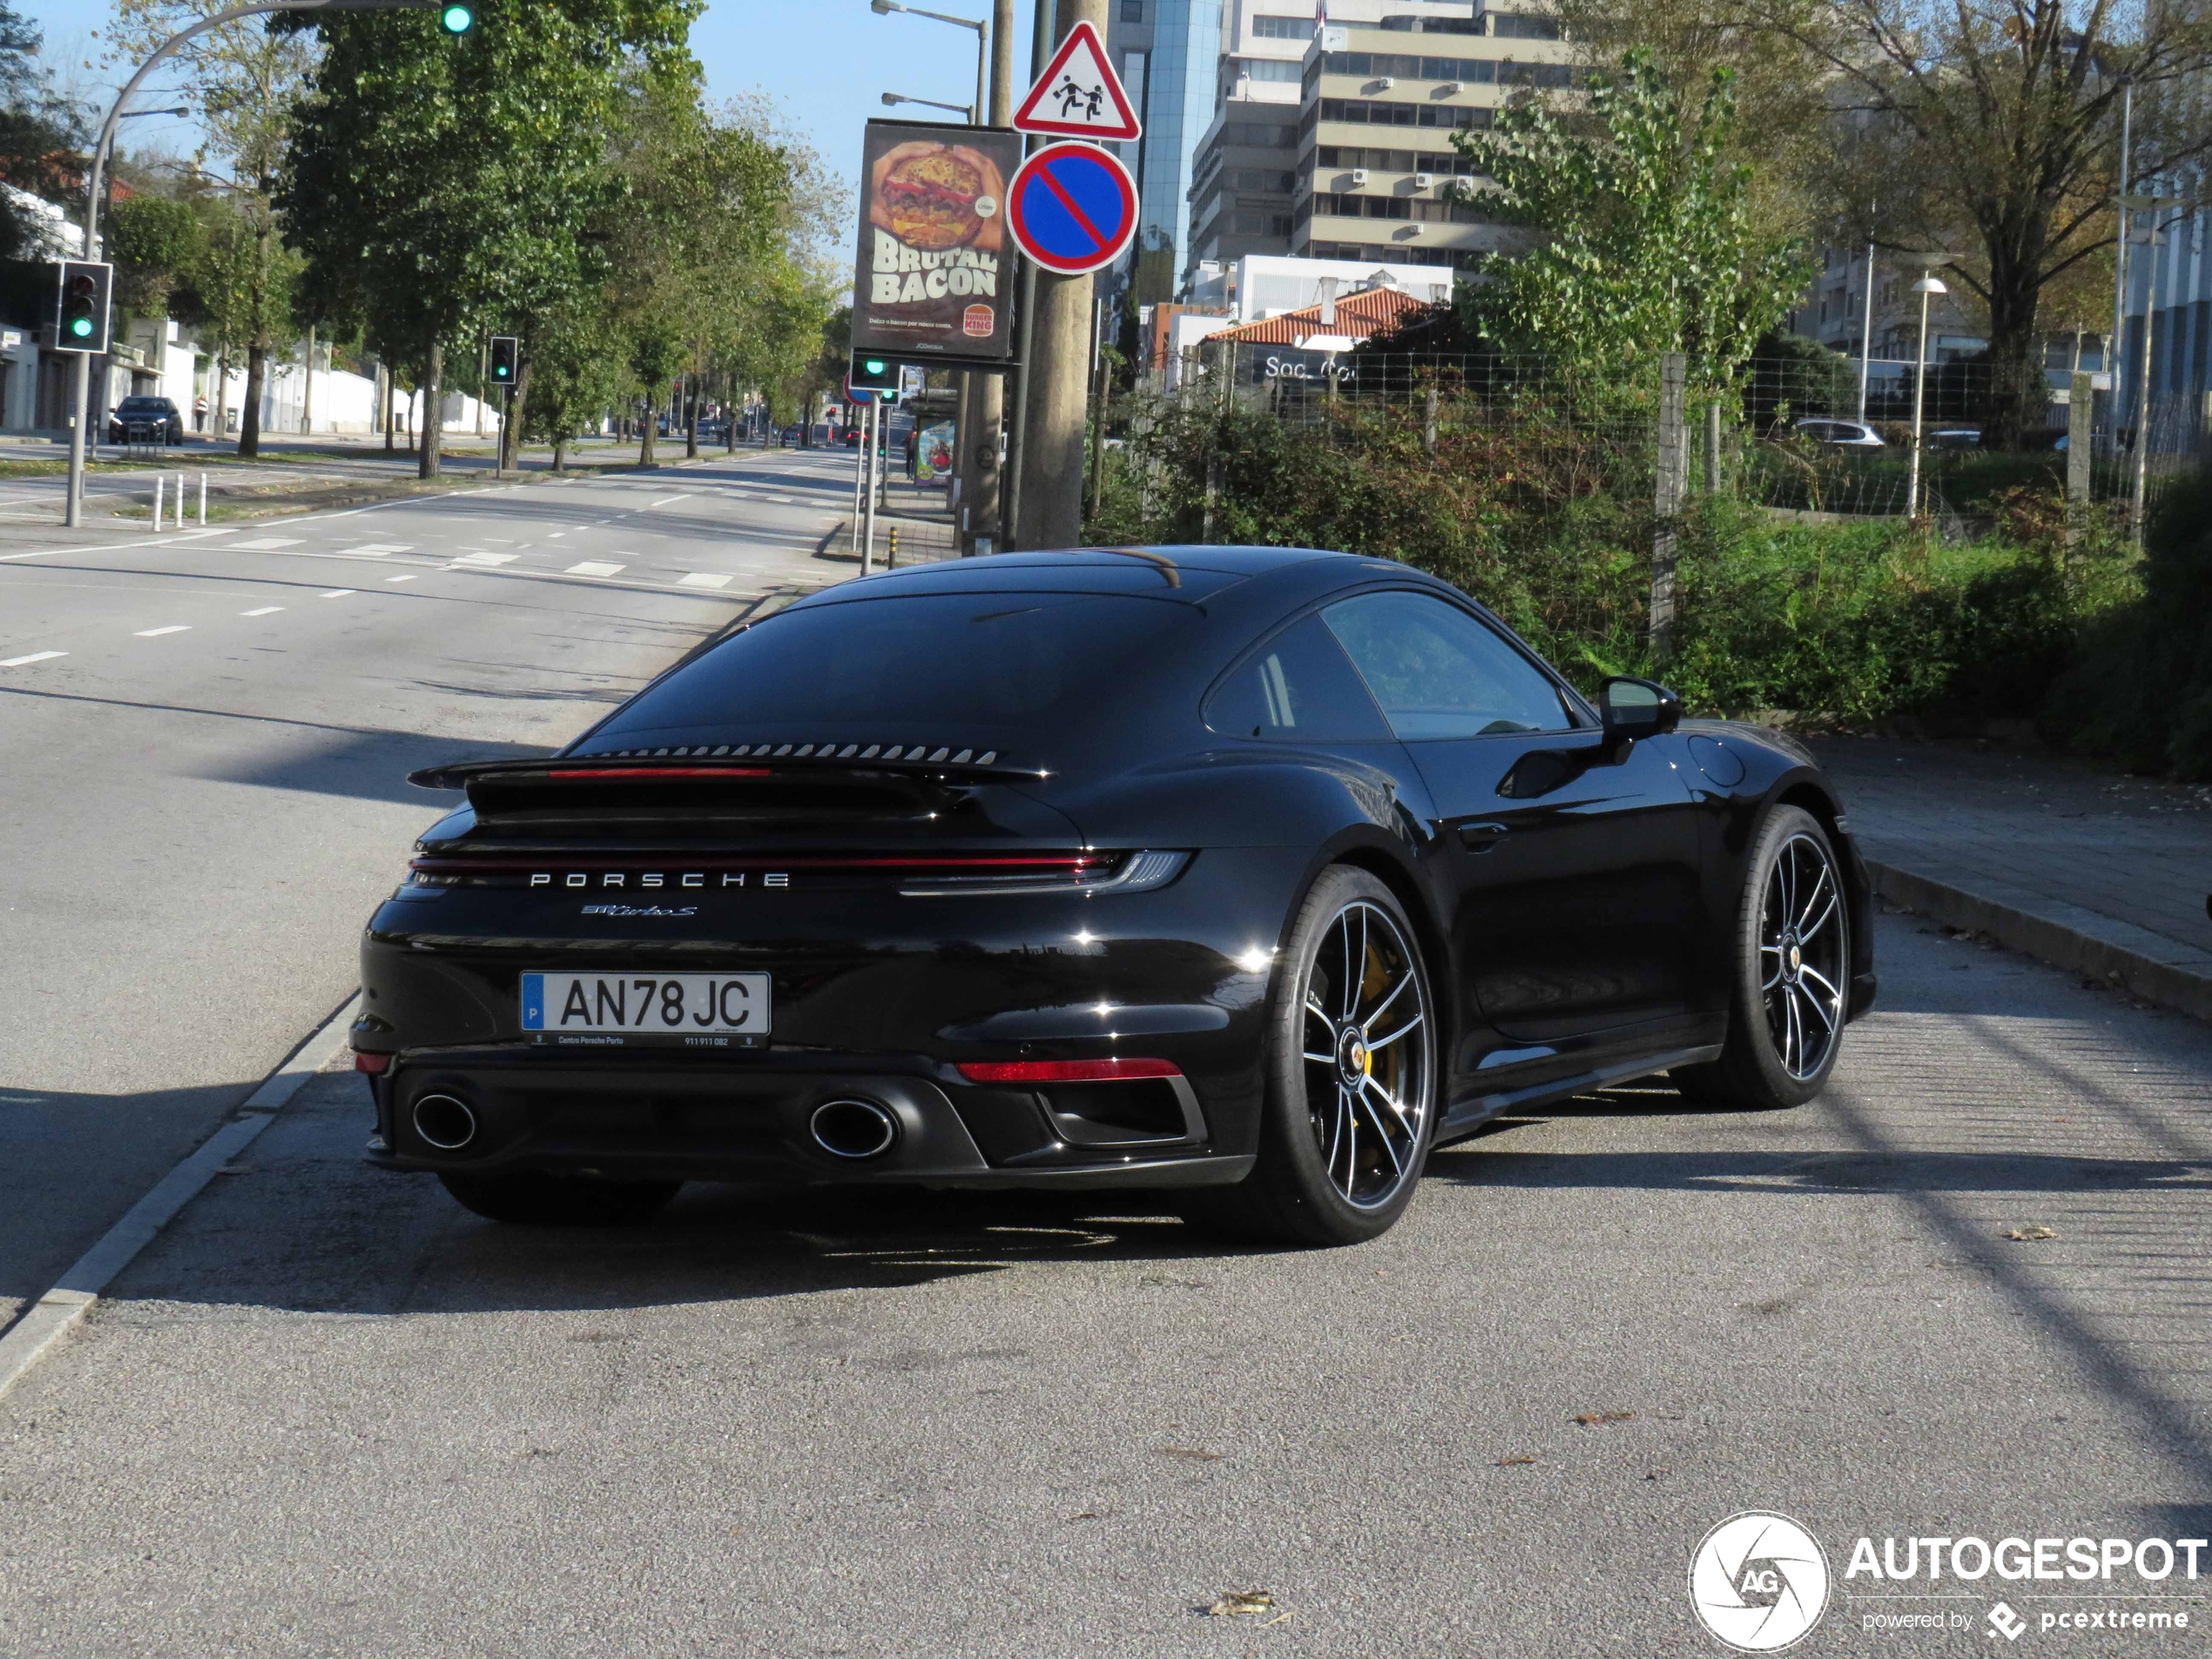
(1438, 672)
(1297, 687)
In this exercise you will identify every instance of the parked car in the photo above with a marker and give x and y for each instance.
(1251, 873)
(1955, 437)
(1840, 434)
(155, 420)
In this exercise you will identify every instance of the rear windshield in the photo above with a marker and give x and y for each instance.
(975, 668)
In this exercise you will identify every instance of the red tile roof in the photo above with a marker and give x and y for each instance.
(1371, 311)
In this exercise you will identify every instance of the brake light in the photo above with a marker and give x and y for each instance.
(1066, 1071)
(571, 774)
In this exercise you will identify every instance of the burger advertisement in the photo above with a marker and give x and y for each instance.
(934, 278)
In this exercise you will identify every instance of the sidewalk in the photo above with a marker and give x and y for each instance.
(919, 513)
(2102, 874)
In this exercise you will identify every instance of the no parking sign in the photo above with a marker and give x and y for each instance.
(1072, 208)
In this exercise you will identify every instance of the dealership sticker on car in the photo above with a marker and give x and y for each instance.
(615, 1010)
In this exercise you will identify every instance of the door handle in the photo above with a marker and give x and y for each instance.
(1480, 837)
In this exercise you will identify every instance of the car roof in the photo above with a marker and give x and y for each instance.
(1187, 573)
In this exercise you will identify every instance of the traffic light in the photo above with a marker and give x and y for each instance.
(81, 323)
(874, 372)
(458, 19)
(504, 348)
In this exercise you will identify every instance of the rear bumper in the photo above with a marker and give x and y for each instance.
(682, 1117)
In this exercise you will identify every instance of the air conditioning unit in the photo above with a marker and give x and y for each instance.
(1385, 82)
(1359, 177)
(1453, 88)
(1423, 180)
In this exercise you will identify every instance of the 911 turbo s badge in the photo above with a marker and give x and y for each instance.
(640, 910)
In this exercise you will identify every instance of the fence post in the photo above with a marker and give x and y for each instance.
(1713, 448)
(1428, 420)
(2080, 440)
(1673, 462)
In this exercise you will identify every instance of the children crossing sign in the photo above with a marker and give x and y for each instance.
(1079, 96)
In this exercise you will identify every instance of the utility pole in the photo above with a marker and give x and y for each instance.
(982, 394)
(1058, 374)
(1018, 430)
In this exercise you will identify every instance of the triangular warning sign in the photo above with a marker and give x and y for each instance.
(1079, 96)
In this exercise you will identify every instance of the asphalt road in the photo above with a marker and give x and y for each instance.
(329, 1413)
(204, 738)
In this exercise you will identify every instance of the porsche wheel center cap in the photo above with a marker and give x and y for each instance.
(1793, 953)
(1351, 1057)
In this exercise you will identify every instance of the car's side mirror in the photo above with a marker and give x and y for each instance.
(1634, 708)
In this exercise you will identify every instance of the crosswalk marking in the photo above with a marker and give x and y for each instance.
(488, 558)
(266, 610)
(378, 549)
(155, 633)
(597, 566)
(705, 579)
(265, 543)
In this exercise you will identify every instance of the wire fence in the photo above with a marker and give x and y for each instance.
(1808, 435)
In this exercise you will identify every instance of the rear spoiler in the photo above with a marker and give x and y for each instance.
(942, 764)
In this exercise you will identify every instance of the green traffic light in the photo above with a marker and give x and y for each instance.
(457, 19)
(875, 366)
(81, 327)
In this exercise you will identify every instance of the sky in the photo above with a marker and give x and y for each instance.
(824, 63)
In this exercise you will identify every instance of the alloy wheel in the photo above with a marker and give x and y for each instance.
(1801, 957)
(1367, 1055)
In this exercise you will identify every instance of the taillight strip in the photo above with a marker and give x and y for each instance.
(1065, 1072)
(571, 773)
(1073, 864)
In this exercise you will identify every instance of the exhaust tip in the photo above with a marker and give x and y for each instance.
(853, 1129)
(445, 1122)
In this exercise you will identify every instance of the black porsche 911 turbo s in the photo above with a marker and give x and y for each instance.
(1254, 873)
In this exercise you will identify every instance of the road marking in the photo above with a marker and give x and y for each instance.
(34, 656)
(265, 543)
(491, 559)
(781, 501)
(668, 501)
(54, 1315)
(266, 610)
(155, 633)
(335, 593)
(399, 578)
(555, 535)
(595, 567)
(703, 579)
(378, 549)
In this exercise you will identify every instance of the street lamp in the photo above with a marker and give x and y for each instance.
(967, 111)
(2139, 484)
(1927, 288)
(885, 7)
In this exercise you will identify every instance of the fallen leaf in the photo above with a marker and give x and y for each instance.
(1195, 1454)
(1592, 1419)
(1084, 1514)
(1231, 1604)
(2029, 1235)
(1510, 1462)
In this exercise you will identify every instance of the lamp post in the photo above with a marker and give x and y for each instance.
(966, 112)
(454, 14)
(2138, 484)
(1927, 288)
(885, 7)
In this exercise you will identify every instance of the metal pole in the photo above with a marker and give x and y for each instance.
(1017, 430)
(2137, 488)
(2119, 245)
(859, 473)
(1866, 331)
(79, 393)
(869, 427)
(158, 482)
(203, 501)
(1919, 385)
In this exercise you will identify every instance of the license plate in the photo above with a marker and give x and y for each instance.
(614, 1010)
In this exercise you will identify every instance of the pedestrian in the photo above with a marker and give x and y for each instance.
(914, 453)
(199, 414)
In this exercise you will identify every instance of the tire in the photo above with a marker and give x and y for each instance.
(1785, 1018)
(538, 1198)
(1338, 1165)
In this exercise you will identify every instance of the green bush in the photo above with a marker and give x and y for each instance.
(1548, 521)
(2140, 689)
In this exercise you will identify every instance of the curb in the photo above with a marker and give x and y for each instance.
(2148, 966)
(54, 1315)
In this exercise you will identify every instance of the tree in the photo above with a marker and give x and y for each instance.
(577, 375)
(449, 184)
(158, 243)
(1648, 243)
(656, 353)
(1990, 129)
(244, 75)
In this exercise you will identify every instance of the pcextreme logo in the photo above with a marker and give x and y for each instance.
(1759, 1581)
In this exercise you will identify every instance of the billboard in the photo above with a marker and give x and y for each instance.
(934, 278)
